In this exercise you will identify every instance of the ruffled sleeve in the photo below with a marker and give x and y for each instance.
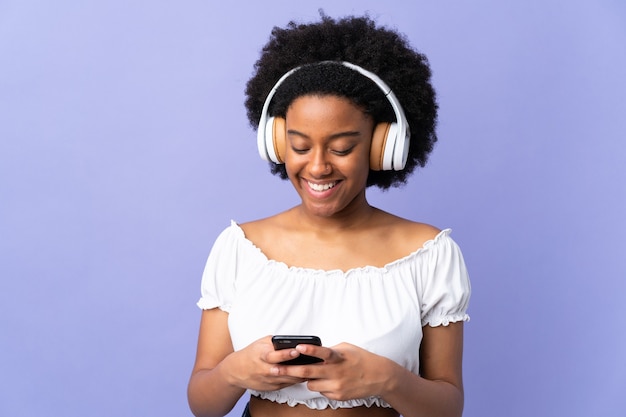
(219, 276)
(445, 283)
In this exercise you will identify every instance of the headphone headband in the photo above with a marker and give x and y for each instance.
(395, 152)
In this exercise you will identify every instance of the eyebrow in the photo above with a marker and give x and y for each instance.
(334, 136)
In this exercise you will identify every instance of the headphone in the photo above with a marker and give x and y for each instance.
(390, 141)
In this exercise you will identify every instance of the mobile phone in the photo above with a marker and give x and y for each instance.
(289, 342)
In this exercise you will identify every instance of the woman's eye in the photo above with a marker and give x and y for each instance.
(342, 152)
(299, 150)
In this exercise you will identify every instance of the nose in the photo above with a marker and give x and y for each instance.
(319, 165)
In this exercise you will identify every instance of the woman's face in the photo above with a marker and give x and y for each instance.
(327, 153)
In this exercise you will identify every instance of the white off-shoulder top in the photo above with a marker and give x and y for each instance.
(380, 309)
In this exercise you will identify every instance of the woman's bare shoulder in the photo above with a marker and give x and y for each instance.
(408, 234)
(260, 230)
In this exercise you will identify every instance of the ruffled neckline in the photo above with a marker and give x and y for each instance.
(428, 245)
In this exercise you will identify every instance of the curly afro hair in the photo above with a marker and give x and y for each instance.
(360, 41)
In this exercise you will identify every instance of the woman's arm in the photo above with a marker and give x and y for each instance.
(220, 375)
(209, 393)
(438, 391)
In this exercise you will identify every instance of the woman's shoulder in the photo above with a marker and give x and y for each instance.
(259, 227)
(408, 234)
(263, 230)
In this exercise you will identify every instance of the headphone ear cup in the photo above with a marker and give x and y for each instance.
(275, 136)
(391, 145)
(383, 146)
(401, 150)
(279, 141)
(377, 149)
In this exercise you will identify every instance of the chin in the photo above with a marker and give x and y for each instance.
(320, 210)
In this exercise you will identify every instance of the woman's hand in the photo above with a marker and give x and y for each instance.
(348, 372)
(253, 367)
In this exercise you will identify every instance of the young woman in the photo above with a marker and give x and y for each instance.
(340, 105)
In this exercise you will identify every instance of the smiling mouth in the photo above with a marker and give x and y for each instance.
(321, 187)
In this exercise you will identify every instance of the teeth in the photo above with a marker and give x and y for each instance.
(322, 187)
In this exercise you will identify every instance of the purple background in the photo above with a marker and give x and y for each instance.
(124, 150)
